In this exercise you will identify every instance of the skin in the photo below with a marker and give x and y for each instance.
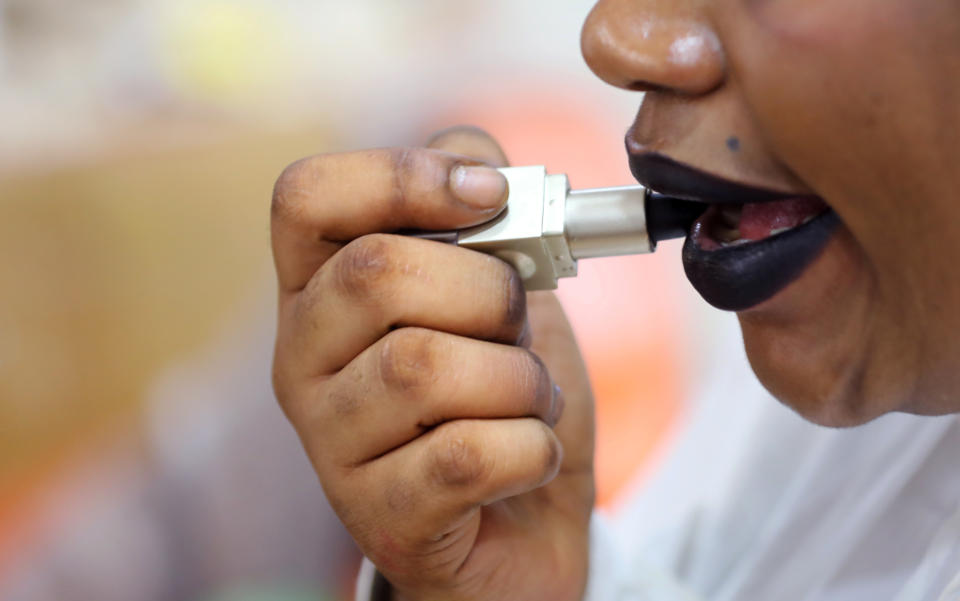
(421, 380)
(853, 100)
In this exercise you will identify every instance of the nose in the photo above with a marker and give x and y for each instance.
(650, 45)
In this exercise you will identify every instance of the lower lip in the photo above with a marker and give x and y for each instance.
(741, 276)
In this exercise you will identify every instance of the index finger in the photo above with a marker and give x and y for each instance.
(321, 202)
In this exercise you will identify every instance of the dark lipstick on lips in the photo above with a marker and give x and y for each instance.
(749, 243)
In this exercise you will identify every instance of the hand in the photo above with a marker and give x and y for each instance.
(420, 377)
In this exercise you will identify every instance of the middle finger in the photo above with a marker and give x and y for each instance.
(413, 380)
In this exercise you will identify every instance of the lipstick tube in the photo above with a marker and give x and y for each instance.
(546, 227)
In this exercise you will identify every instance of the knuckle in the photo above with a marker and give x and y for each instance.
(417, 173)
(404, 165)
(284, 379)
(279, 382)
(365, 267)
(291, 189)
(407, 360)
(457, 460)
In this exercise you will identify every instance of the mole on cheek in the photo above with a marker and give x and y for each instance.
(733, 143)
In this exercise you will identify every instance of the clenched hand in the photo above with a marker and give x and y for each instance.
(447, 414)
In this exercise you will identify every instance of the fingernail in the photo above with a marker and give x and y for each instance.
(480, 187)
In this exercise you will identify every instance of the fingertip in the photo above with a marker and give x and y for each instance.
(471, 141)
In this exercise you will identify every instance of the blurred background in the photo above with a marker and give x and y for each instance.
(142, 455)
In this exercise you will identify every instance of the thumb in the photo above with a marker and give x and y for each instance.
(469, 141)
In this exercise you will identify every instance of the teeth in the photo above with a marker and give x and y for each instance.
(731, 215)
(723, 234)
(779, 230)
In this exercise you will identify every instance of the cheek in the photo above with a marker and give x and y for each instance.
(852, 96)
(859, 98)
(810, 75)
(856, 98)
(813, 22)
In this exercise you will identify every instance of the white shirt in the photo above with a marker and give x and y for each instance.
(754, 503)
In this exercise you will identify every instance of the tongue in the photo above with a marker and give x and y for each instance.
(759, 219)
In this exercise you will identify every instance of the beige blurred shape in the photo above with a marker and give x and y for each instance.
(111, 270)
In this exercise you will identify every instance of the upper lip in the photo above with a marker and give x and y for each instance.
(670, 177)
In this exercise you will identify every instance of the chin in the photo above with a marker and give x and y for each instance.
(819, 392)
(810, 345)
(825, 381)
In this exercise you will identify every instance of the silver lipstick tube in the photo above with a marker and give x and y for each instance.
(546, 228)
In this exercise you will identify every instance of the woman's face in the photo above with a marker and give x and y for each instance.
(843, 116)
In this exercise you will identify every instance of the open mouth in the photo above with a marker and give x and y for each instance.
(749, 243)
